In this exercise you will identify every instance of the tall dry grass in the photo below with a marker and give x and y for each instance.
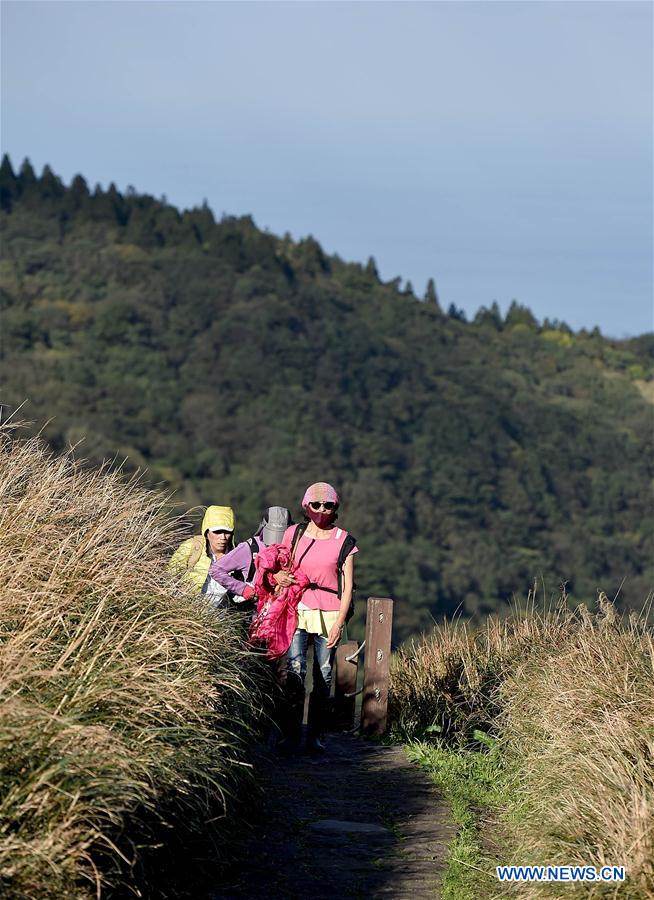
(448, 681)
(123, 698)
(569, 698)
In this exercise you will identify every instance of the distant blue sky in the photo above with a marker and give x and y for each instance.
(504, 148)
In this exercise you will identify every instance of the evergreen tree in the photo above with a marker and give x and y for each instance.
(52, 187)
(140, 228)
(77, 198)
(201, 221)
(431, 295)
(310, 256)
(520, 315)
(371, 268)
(167, 223)
(108, 205)
(455, 313)
(8, 184)
(26, 176)
(490, 317)
(28, 185)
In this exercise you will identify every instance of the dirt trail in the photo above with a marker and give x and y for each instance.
(360, 822)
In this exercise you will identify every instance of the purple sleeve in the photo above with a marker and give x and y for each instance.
(238, 558)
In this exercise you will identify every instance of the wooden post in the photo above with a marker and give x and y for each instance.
(379, 622)
(346, 683)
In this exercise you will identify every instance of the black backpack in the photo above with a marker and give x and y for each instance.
(348, 545)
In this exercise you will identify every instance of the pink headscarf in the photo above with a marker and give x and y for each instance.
(320, 491)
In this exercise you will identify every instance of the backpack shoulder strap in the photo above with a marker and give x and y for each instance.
(347, 547)
(196, 551)
(254, 549)
(297, 534)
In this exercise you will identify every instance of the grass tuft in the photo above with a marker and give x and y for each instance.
(125, 700)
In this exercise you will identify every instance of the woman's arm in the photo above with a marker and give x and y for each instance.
(346, 599)
(238, 558)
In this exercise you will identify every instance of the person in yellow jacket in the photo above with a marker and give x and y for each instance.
(194, 556)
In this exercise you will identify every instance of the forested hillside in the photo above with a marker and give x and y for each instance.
(237, 367)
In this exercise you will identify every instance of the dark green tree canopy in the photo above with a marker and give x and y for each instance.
(235, 366)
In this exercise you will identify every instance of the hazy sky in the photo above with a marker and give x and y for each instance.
(504, 148)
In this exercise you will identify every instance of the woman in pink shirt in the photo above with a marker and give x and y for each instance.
(325, 553)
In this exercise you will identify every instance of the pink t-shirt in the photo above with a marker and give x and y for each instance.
(318, 562)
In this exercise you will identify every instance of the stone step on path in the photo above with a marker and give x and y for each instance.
(360, 821)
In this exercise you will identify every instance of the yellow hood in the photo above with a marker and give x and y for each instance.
(218, 517)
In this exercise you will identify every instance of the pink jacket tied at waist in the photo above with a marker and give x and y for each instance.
(275, 620)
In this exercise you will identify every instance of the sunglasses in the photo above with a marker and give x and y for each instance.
(328, 505)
